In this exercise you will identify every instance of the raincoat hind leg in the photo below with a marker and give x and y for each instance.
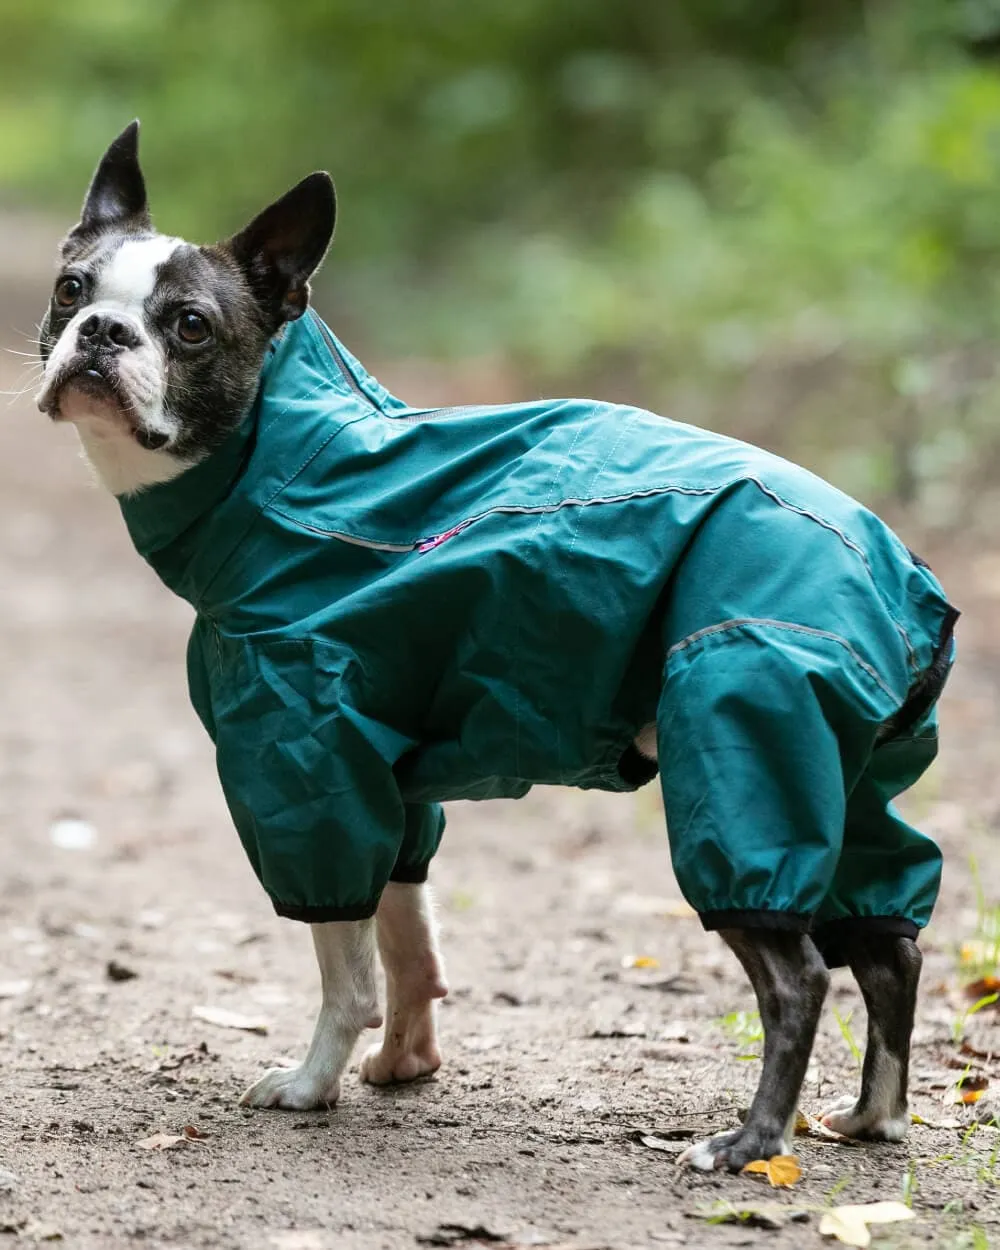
(777, 789)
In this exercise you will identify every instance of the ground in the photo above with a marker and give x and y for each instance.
(558, 1058)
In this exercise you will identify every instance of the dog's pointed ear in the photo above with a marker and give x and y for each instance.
(117, 194)
(283, 246)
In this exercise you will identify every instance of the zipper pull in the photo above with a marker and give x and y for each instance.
(430, 543)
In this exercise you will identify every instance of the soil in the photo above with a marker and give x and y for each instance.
(557, 1056)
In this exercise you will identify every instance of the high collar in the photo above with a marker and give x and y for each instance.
(186, 527)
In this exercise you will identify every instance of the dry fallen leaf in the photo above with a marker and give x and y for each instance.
(802, 1123)
(850, 1224)
(970, 1088)
(167, 1141)
(230, 1019)
(652, 1142)
(14, 989)
(782, 1171)
(983, 988)
(161, 1141)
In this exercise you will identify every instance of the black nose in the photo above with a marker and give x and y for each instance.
(107, 330)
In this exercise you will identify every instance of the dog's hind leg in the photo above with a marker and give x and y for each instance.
(345, 950)
(887, 969)
(790, 980)
(414, 976)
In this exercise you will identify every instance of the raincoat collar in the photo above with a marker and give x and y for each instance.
(187, 527)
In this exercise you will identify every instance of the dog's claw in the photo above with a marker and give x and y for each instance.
(731, 1152)
(291, 1089)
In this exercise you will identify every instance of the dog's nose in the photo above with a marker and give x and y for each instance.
(107, 330)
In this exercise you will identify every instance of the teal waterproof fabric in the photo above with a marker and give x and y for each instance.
(398, 607)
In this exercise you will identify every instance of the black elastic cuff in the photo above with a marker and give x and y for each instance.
(789, 921)
(323, 915)
(636, 769)
(410, 874)
(835, 936)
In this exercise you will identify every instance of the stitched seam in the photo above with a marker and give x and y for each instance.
(791, 626)
(600, 472)
(277, 491)
(771, 493)
(513, 509)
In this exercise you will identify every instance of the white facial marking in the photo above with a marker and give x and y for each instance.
(128, 279)
(122, 286)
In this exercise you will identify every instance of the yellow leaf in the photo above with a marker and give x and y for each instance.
(971, 1095)
(802, 1124)
(640, 961)
(782, 1171)
(850, 1224)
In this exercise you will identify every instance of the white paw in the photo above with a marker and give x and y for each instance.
(843, 1117)
(293, 1089)
(699, 1155)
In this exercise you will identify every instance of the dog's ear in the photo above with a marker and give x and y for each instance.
(117, 194)
(283, 246)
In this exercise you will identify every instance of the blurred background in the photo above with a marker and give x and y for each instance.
(776, 217)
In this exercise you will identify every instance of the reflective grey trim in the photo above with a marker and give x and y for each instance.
(849, 543)
(766, 623)
(359, 540)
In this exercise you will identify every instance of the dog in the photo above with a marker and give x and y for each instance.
(397, 607)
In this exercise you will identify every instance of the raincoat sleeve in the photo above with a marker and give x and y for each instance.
(309, 782)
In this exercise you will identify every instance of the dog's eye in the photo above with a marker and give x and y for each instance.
(192, 327)
(68, 291)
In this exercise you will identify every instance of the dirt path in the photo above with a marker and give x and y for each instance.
(555, 1054)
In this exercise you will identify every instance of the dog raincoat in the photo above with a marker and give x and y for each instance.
(398, 607)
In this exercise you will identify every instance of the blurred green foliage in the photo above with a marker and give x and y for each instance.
(777, 216)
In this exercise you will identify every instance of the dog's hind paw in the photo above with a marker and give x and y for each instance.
(292, 1089)
(873, 1124)
(731, 1152)
(392, 1065)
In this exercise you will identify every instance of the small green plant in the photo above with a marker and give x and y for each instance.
(837, 1190)
(910, 1183)
(980, 954)
(844, 1024)
(962, 1018)
(746, 1028)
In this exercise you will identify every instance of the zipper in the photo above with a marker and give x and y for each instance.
(429, 543)
(341, 363)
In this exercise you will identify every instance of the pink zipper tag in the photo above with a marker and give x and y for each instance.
(438, 539)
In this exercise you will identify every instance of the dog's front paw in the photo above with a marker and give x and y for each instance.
(874, 1124)
(731, 1152)
(292, 1089)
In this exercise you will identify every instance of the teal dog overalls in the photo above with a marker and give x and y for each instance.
(396, 607)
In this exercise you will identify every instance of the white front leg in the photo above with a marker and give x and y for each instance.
(345, 950)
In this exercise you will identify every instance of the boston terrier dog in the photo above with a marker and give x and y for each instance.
(400, 606)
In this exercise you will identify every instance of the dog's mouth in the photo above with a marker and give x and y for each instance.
(83, 390)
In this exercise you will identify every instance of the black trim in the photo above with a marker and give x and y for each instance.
(410, 874)
(636, 769)
(738, 918)
(834, 937)
(926, 690)
(323, 915)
